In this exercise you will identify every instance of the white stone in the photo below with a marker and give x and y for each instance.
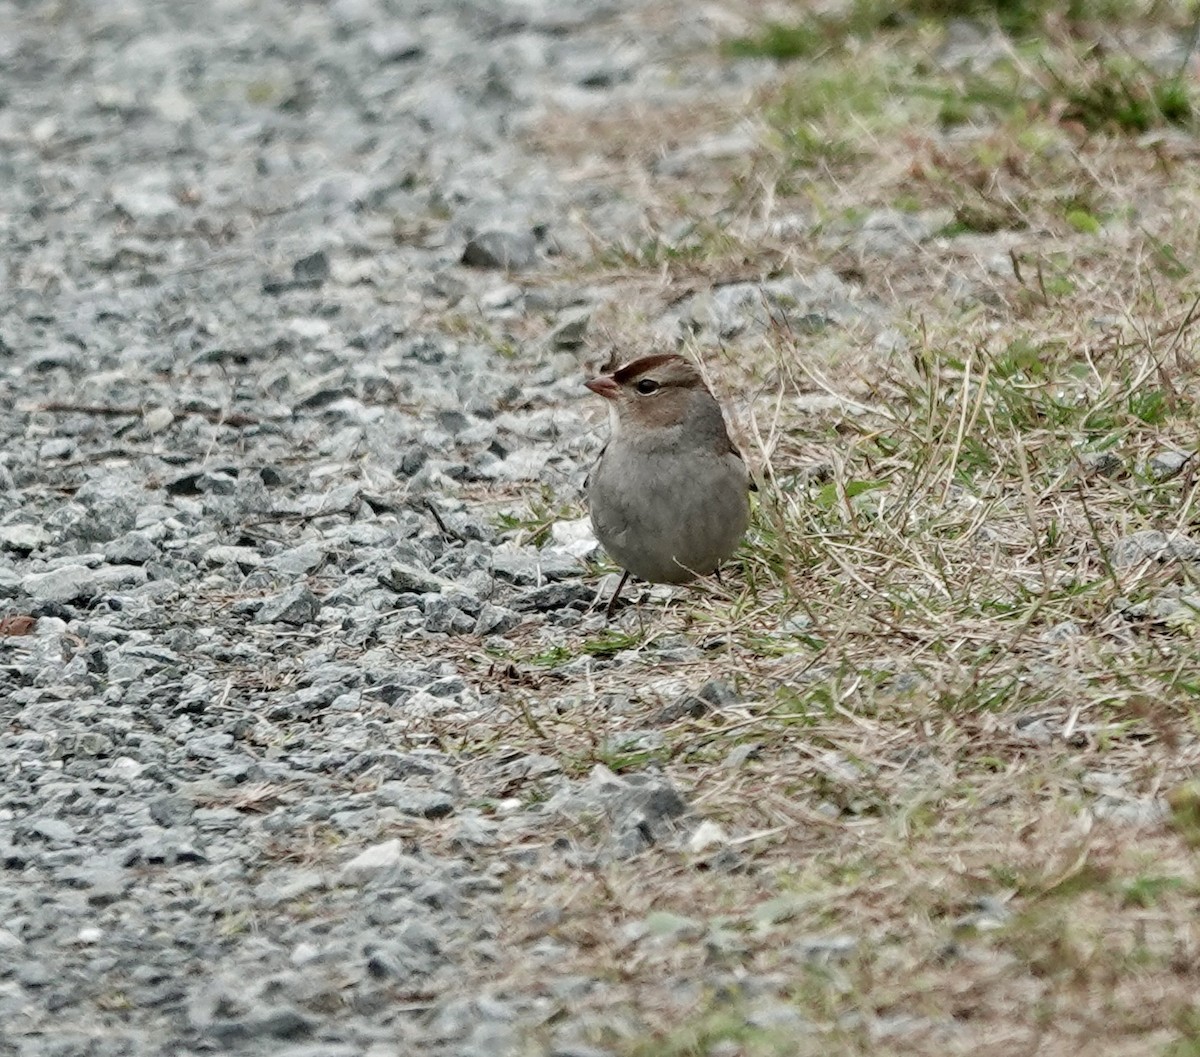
(707, 835)
(156, 419)
(576, 537)
(376, 858)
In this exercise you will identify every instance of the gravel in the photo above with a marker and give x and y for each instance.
(238, 508)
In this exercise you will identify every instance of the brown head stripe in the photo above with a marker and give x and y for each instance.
(647, 363)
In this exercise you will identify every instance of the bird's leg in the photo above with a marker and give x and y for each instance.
(612, 602)
(717, 574)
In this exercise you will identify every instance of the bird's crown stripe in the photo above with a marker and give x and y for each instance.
(646, 363)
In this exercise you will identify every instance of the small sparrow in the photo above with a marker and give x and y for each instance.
(669, 495)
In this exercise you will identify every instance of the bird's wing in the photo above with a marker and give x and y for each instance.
(733, 450)
(587, 480)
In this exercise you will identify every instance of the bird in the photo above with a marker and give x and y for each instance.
(669, 494)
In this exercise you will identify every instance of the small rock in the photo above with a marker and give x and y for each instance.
(56, 448)
(1101, 463)
(34, 974)
(1151, 545)
(394, 44)
(24, 538)
(572, 595)
(500, 297)
(51, 829)
(304, 953)
(712, 694)
(296, 606)
(687, 705)
(699, 154)
(780, 1017)
(312, 270)
(209, 746)
(824, 950)
(719, 693)
(133, 548)
(167, 848)
(67, 583)
(410, 578)
(1167, 464)
(156, 419)
(107, 887)
(443, 616)
(420, 803)
(412, 461)
(640, 807)
(1175, 609)
(576, 538)
(119, 577)
(276, 1023)
(147, 199)
(217, 482)
(286, 885)
(571, 330)
(452, 421)
(525, 464)
(739, 754)
(527, 565)
(988, 913)
(893, 233)
(243, 557)
(298, 561)
(497, 248)
(1063, 631)
(375, 859)
(707, 835)
(495, 620)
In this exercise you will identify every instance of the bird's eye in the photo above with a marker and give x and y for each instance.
(647, 386)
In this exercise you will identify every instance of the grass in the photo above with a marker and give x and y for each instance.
(820, 32)
(966, 732)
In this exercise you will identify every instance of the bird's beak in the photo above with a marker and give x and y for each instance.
(604, 386)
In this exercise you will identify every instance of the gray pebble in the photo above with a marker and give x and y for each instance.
(1151, 545)
(528, 565)
(554, 596)
(67, 583)
(403, 577)
(389, 856)
(1101, 463)
(495, 620)
(1166, 464)
(22, 537)
(34, 974)
(297, 606)
(570, 331)
(298, 561)
(245, 558)
(497, 248)
(423, 803)
(442, 616)
(132, 548)
(394, 44)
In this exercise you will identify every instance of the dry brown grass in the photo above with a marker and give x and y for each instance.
(962, 715)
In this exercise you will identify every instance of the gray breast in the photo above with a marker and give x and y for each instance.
(665, 515)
